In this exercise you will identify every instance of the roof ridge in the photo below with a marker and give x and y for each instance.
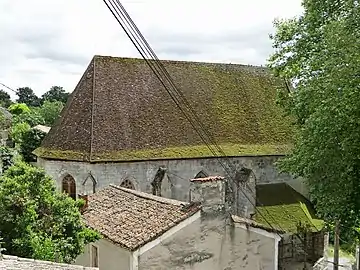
(148, 196)
(181, 61)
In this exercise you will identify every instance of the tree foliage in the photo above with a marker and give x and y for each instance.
(7, 158)
(56, 93)
(49, 111)
(19, 108)
(37, 221)
(5, 100)
(27, 95)
(18, 130)
(320, 53)
(30, 140)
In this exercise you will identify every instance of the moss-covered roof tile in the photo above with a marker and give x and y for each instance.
(120, 111)
(284, 208)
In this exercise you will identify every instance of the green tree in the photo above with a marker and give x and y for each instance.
(26, 95)
(23, 114)
(18, 130)
(7, 158)
(56, 93)
(5, 100)
(320, 53)
(49, 111)
(19, 108)
(36, 220)
(30, 140)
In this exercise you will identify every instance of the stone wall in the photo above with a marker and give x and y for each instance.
(174, 184)
(295, 249)
(212, 243)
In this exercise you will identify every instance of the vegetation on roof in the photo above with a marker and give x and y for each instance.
(285, 209)
(165, 153)
(235, 103)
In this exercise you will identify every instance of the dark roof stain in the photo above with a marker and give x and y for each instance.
(120, 111)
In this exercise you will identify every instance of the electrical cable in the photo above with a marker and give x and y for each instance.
(119, 8)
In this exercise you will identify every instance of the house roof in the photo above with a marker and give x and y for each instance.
(15, 263)
(132, 218)
(284, 208)
(119, 111)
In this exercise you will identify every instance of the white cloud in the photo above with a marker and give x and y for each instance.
(45, 43)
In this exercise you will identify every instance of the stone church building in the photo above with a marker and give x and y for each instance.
(121, 127)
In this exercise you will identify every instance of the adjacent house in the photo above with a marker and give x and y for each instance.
(121, 127)
(16, 263)
(143, 231)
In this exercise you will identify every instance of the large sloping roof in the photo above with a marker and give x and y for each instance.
(285, 208)
(120, 111)
(132, 218)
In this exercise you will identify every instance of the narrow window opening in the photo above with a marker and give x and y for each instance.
(69, 186)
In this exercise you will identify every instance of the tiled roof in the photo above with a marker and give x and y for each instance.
(283, 207)
(207, 179)
(17, 263)
(236, 103)
(131, 218)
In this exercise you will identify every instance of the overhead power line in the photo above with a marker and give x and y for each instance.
(138, 40)
(8, 88)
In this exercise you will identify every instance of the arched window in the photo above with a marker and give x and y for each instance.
(127, 184)
(201, 174)
(69, 186)
(89, 185)
(244, 175)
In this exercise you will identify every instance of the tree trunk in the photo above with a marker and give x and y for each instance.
(336, 245)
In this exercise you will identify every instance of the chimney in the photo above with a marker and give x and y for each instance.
(85, 198)
(210, 192)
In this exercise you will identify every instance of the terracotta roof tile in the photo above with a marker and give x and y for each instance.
(131, 218)
(208, 179)
(236, 103)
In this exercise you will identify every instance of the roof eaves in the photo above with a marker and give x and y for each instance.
(254, 224)
(148, 196)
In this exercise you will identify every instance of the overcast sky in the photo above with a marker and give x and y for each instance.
(48, 42)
